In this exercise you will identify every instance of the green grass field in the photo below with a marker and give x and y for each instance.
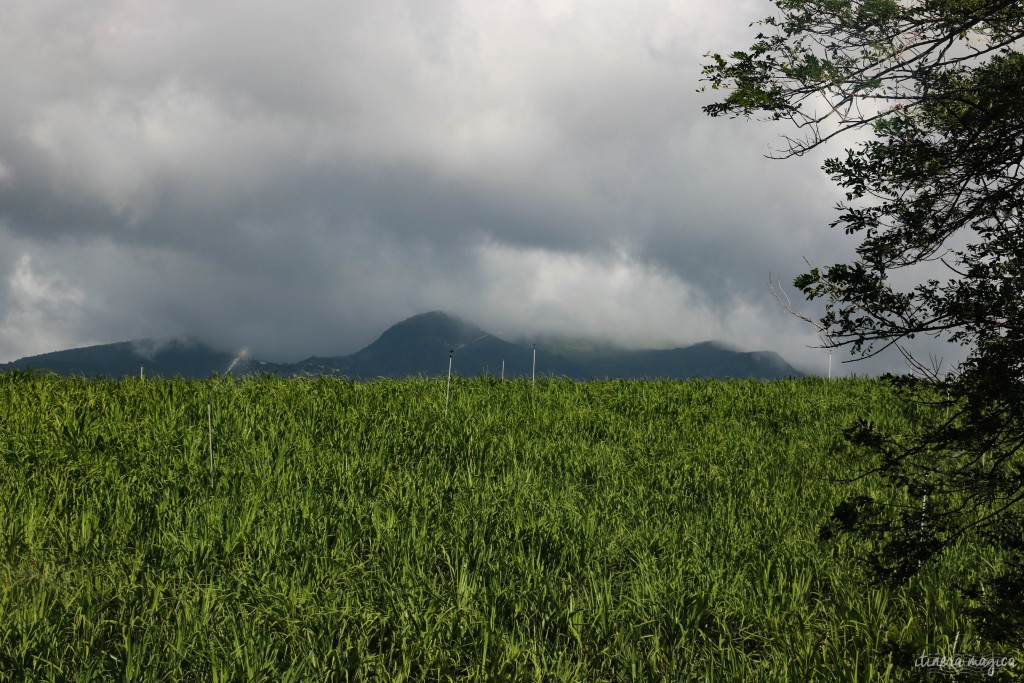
(598, 531)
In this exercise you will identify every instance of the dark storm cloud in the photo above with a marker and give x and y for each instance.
(293, 177)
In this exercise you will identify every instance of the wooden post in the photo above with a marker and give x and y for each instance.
(448, 391)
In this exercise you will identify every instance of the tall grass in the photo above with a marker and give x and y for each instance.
(575, 531)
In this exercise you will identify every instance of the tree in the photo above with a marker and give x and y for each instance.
(938, 186)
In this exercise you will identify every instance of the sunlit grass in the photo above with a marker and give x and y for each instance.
(350, 531)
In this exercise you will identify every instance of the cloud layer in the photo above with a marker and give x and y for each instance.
(293, 177)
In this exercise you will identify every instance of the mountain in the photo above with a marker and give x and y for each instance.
(421, 345)
(707, 359)
(182, 356)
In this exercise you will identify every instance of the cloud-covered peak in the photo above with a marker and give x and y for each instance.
(293, 177)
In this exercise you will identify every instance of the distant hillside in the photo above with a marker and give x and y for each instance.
(182, 356)
(421, 345)
(707, 359)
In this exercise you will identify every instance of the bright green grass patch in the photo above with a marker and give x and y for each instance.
(350, 531)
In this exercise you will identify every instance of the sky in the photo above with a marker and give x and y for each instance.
(296, 177)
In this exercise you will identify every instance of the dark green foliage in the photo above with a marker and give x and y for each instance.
(939, 187)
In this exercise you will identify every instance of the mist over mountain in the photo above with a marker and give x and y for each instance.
(179, 356)
(421, 346)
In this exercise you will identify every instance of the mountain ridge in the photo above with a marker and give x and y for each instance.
(421, 345)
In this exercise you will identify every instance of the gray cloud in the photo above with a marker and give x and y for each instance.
(295, 177)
